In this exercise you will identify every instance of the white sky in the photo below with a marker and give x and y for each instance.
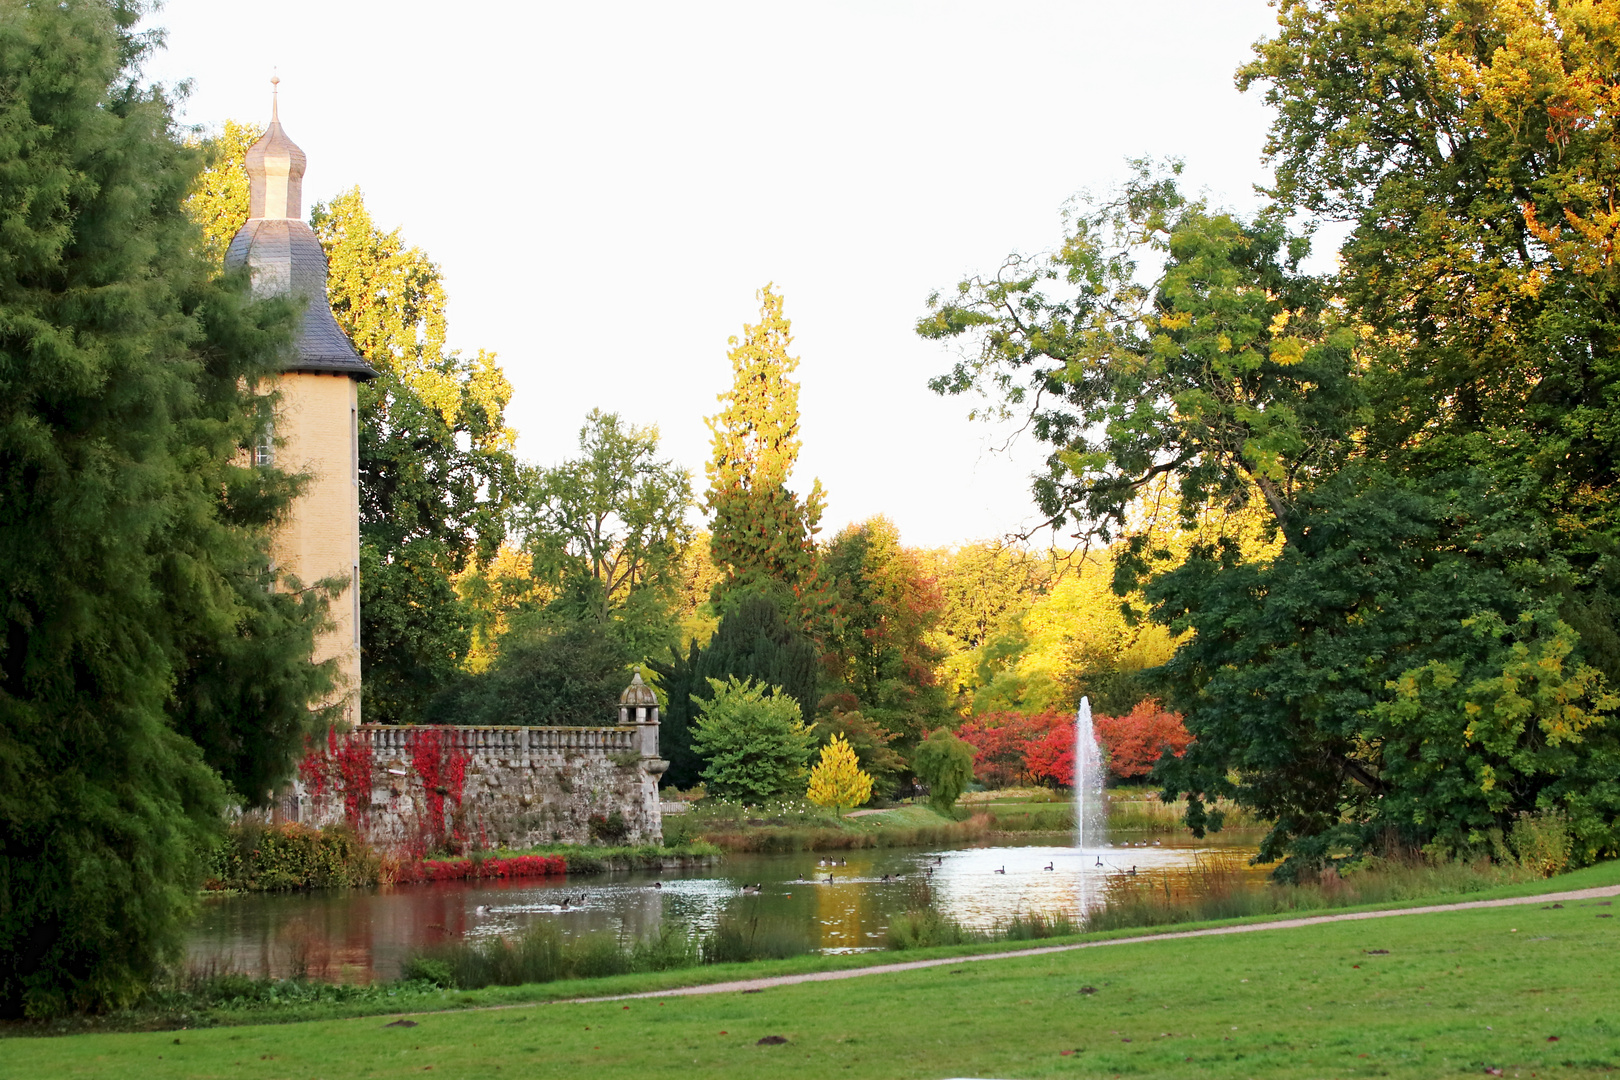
(607, 184)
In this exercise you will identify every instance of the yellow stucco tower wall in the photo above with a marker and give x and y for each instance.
(317, 419)
(317, 436)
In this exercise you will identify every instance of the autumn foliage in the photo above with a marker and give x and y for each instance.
(1012, 748)
(1135, 741)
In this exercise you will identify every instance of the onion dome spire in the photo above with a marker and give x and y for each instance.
(284, 254)
(275, 168)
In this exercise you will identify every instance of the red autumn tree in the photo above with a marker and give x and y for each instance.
(1001, 743)
(1136, 740)
(1051, 757)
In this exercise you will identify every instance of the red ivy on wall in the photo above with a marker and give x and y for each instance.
(343, 766)
(442, 768)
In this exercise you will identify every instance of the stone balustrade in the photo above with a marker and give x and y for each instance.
(505, 743)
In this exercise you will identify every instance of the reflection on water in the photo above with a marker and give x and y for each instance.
(360, 935)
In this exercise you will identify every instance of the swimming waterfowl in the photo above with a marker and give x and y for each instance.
(1003, 870)
(1048, 866)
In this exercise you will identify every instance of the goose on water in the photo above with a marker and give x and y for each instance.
(829, 879)
(480, 910)
(1048, 866)
(658, 884)
(1003, 870)
(750, 890)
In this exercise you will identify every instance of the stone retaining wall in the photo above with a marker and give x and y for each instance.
(427, 787)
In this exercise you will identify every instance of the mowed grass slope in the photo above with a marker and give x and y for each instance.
(1529, 990)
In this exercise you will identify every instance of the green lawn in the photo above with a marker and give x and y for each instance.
(1530, 990)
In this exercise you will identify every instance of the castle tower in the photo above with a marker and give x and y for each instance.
(317, 425)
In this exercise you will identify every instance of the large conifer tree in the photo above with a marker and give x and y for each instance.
(139, 603)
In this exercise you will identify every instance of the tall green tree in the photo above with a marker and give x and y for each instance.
(607, 530)
(879, 654)
(763, 535)
(145, 634)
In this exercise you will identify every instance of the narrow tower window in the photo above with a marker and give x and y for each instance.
(264, 451)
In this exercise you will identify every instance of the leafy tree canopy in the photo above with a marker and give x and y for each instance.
(608, 529)
(547, 671)
(752, 740)
(879, 652)
(945, 764)
(1430, 430)
(837, 779)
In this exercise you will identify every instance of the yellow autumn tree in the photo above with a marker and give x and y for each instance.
(219, 199)
(763, 534)
(837, 779)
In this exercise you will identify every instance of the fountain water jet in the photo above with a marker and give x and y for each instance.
(1090, 807)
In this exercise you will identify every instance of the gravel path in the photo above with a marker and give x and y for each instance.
(744, 985)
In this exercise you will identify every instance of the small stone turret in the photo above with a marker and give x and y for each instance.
(638, 705)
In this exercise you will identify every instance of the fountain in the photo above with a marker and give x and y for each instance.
(1090, 807)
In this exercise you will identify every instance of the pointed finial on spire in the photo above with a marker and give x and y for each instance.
(275, 81)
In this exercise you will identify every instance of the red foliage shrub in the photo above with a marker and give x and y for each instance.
(1136, 740)
(1001, 743)
(1010, 747)
(515, 866)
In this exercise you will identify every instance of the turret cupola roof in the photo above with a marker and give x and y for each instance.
(284, 255)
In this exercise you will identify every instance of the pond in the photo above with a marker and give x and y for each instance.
(362, 935)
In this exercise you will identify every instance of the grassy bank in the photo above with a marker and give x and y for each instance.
(1523, 990)
(1130, 810)
(795, 825)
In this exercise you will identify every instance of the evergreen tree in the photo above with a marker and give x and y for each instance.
(140, 603)
(763, 534)
(753, 641)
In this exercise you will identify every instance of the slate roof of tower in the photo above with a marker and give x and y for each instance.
(286, 258)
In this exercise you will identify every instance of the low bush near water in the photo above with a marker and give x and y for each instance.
(273, 858)
(926, 928)
(1220, 890)
(739, 938)
(540, 954)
